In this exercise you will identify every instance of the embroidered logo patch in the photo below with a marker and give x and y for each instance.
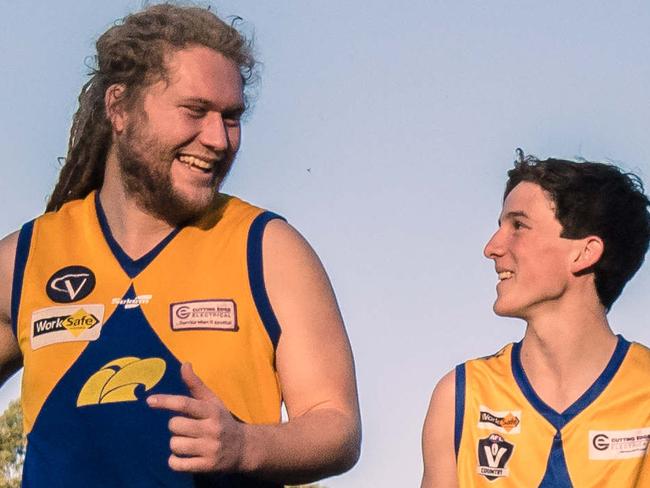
(70, 284)
(618, 444)
(504, 421)
(493, 455)
(66, 324)
(118, 380)
(204, 314)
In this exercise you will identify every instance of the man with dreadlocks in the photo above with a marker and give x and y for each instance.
(568, 405)
(161, 323)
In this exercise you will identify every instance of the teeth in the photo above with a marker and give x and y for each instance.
(196, 162)
(504, 275)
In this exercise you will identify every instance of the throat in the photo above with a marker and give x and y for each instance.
(561, 372)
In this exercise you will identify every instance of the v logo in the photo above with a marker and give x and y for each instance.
(494, 454)
(69, 282)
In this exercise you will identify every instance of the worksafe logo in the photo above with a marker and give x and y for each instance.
(79, 322)
(70, 284)
(119, 380)
(504, 421)
(69, 323)
(493, 455)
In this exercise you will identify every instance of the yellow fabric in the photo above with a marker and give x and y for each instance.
(207, 261)
(493, 395)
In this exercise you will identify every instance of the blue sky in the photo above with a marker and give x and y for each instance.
(383, 133)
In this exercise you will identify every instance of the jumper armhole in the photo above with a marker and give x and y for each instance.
(460, 406)
(22, 253)
(256, 275)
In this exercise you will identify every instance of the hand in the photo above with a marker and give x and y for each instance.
(205, 436)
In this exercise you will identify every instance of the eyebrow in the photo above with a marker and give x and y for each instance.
(514, 214)
(235, 109)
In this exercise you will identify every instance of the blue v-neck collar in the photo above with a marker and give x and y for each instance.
(559, 420)
(132, 267)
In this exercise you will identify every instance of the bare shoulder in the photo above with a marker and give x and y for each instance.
(284, 244)
(8, 247)
(438, 436)
(10, 357)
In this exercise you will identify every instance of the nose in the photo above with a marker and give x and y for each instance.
(495, 247)
(214, 134)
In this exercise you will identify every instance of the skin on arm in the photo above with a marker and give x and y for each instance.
(315, 366)
(316, 371)
(10, 356)
(438, 436)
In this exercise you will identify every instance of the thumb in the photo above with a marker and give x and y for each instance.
(198, 389)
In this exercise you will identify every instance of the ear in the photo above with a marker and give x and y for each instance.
(588, 252)
(113, 103)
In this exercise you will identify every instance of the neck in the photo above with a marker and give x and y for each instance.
(566, 348)
(134, 229)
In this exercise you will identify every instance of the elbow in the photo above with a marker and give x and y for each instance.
(349, 450)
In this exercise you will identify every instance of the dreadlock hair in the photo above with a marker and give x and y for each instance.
(595, 199)
(132, 53)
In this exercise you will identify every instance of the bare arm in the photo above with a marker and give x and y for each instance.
(438, 436)
(316, 370)
(10, 356)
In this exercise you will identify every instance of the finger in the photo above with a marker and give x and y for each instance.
(197, 388)
(180, 404)
(189, 464)
(187, 446)
(187, 427)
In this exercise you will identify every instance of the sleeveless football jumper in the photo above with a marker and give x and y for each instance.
(99, 332)
(506, 436)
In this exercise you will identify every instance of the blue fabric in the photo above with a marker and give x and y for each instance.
(107, 445)
(557, 473)
(460, 406)
(22, 252)
(256, 275)
(132, 267)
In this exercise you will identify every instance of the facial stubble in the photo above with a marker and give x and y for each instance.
(146, 164)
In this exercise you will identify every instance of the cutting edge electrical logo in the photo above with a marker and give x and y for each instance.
(618, 444)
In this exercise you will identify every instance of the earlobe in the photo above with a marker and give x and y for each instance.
(589, 253)
(113, 103)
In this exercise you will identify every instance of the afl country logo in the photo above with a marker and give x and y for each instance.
(494, 452)
(70, 284)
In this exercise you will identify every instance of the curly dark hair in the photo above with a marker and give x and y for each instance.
(599, 199)
(133, 53)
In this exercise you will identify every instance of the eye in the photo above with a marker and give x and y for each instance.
(518, 225)
(232, 119)
(195, 111)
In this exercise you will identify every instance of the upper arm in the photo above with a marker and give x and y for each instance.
(313, 358)
(438, 436)
(10, 357)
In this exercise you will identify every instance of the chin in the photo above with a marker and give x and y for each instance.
(503, 309)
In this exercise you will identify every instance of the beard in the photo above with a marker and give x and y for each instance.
(146, 165)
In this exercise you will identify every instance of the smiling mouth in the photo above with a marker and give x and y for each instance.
(196, 163)
(505, 275)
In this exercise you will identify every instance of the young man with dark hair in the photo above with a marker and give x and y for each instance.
(161, 323)
(569, 405)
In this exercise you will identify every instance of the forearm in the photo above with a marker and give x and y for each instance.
(323, 442)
